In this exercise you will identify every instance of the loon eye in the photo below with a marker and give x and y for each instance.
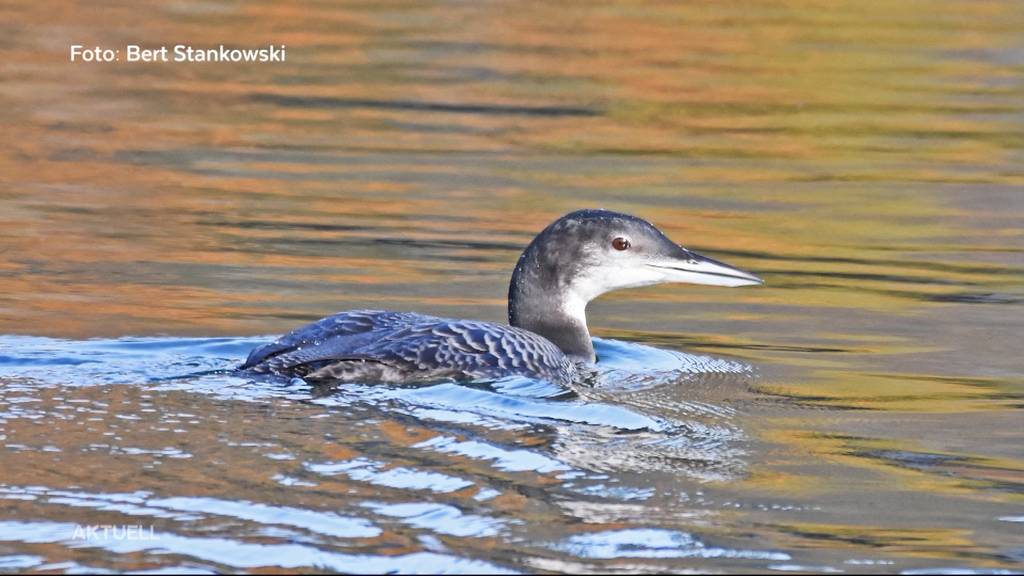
(620, 243)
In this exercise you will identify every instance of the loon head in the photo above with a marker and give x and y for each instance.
(590, 252)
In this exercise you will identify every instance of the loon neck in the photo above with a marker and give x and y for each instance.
(542, 301)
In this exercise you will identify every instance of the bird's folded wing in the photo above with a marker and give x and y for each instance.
(329, 338)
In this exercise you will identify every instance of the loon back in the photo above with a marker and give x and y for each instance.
(405, 347)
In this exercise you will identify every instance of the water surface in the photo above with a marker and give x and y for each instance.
(860, 413)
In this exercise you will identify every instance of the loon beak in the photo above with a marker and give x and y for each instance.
(692, 268)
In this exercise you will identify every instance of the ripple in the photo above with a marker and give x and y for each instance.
(952, 571)
(327, 523)
(506, 460)
(656, 366)
(243, 555)
(193, 508)
(20, 562)
(652, 543)
(440, 518)
(128, 360)
(421, 106)
(374, 472)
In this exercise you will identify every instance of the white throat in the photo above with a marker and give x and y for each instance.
(610, 278)
(575, 307)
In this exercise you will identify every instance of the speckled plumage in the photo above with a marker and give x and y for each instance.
(406, 347)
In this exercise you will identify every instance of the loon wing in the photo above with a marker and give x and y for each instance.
(330, 337)
(408, 347)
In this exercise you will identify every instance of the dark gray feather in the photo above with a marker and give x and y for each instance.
(404, 346)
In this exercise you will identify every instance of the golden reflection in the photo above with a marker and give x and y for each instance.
(902, 392)
(948, 544)
(864, 157)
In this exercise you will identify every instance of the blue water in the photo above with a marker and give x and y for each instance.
(154, 454)
(334, 477)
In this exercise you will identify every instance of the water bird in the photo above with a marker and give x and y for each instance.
(577, 258)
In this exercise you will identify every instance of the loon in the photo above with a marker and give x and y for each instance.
(575, 259)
